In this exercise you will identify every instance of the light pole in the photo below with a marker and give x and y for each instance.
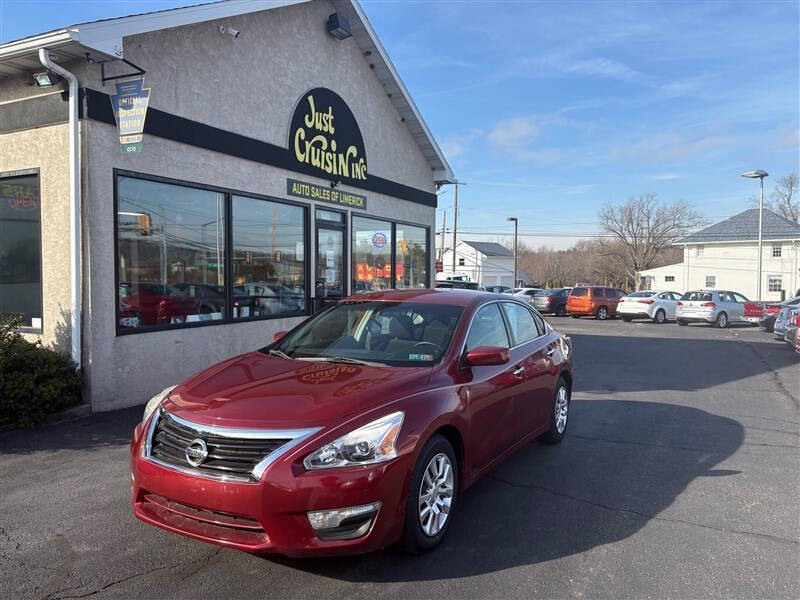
(759, 174)
(516, 224)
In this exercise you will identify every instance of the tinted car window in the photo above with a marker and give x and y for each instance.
(540, 326)
(597, 292)
(520, 319)
(641, 294)
(579, 292)
(696, 297)
(726, 297)
(487, 329)
(611, 293)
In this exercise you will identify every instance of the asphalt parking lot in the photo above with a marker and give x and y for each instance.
(679, 478)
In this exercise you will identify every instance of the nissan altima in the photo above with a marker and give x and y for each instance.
(359, 428)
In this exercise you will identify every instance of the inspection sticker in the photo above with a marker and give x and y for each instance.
(420, 357)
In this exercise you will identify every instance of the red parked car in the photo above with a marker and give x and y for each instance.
(146, 304)
(360, 427)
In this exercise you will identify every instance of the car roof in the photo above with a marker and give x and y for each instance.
(449, 296)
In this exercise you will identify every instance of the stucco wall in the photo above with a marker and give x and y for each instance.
(249, 86)
(46, 148)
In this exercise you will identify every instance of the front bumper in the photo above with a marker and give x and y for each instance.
(269, 516)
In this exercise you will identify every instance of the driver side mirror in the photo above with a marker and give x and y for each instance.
(278, 335)
(485, 356)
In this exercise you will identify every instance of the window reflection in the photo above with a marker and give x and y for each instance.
(20, 249)
(171, 260)
(412, 256)
(268, 258)
(372, 254)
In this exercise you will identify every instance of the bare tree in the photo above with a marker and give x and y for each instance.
(641, 229)
(784, 198)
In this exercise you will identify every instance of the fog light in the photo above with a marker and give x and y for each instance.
(343, 523)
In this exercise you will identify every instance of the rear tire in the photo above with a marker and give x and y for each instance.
(627, 319)
(722, 321)
(682, 323)
(575, 316)
(559, 413)
(660, 317)
(415, 540)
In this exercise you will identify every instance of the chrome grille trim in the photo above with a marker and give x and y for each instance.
(294, 436)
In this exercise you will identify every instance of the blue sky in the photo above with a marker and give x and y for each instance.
(549, 109)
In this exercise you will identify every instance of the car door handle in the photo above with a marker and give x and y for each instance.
(519, 371)
(550, 351)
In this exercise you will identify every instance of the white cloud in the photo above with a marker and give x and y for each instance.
(513, 133)
(455, 145)
(603, 67)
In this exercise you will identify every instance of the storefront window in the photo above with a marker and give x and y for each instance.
(171, 262)
(268, 258)
(20, 249)
(411, 256)
(372, 254)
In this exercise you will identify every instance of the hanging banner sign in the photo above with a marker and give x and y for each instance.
(312, 191)
(324, 135)
(130, 109)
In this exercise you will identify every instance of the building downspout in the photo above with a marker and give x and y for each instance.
(74, 204)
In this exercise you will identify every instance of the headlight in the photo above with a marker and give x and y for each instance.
(153, 403)
(367, 445)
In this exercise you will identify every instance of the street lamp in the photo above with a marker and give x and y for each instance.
(516, 224)
(759, 174)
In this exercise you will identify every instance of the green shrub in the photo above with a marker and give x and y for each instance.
(34, 381)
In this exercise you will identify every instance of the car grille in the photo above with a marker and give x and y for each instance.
(228, 457)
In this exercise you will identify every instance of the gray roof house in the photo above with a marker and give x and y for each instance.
(490, 248)
(744, 227)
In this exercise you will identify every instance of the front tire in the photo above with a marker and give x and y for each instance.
(660, 316)
(627, 319)
(722, 321)
(602, 313)
(575, 316)
(432, 496)
(559, 413)
(682, 323)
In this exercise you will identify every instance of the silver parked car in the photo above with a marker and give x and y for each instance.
(792, 326)
(716, 307)
(782, 320)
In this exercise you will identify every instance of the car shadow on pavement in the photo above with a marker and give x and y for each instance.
(629, 364)
(622, 464)
(99, 430)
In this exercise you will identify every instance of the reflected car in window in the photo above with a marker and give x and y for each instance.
(359, 428)
(148, 304)
(265, 299)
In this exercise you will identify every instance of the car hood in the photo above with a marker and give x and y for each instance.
(255, 390)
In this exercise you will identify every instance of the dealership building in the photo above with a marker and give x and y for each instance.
(179, 186)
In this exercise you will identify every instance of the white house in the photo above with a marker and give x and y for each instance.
(487, 263)
(725, 256)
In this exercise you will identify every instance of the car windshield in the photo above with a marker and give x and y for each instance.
(389, 333)
(696, 296)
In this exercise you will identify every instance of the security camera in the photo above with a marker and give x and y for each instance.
(234, 33)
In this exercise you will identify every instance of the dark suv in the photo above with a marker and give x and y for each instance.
(551, 301)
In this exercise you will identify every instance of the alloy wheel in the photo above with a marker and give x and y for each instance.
(561, 410)
(660, 316)
(722, 320)
(602, 313)
(435, 494)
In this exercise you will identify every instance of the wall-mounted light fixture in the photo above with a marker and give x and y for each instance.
(47, 79)
(338, 27)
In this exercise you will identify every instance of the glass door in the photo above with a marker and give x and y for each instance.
(330, 275)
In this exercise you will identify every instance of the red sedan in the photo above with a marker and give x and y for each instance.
(359, 428)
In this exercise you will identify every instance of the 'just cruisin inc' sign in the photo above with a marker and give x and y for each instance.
(325, 135)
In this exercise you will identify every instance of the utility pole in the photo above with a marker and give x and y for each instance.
(516, 223)
(444, 228)
(455, 227)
